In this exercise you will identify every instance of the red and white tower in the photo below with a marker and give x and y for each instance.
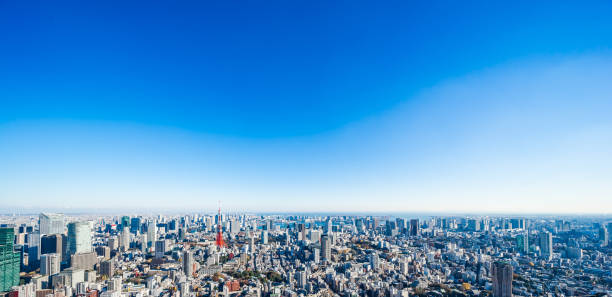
(219, 241)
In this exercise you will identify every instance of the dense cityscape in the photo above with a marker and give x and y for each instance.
(57, 255)
(358, 148)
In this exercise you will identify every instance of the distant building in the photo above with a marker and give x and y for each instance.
(85, 261)
(414, 227)
(124, 240)
(546, 245)
(188, 263)
(50, 264)
(113, 243)
(326, 248)
(51, 223)
(300, 278)
(125, 222)
(522, 242)
(374, 261)
(603, 235)
(160, 248)
(135, 225)
(501, 273)
(52, 243)
(104, 252)
(79, 238)
(151, 233)
(107, 269)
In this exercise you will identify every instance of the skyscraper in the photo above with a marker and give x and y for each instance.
(188, 263)
(264, 237)
(501, 273)
(160, 248)
(79, 238)
(300, 277)
(51, 223)
(522, 242)
(151, 232)
(135, 225)
(326, 248)
(52, 243)
(301, 229)
(414, 227)
(9, 260)
(124, 239)
(374, 261)
(125, 222)
(546, 245)
(603, 235)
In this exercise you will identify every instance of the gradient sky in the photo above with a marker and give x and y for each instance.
(307, 105)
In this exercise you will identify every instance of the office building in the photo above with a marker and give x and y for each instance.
(85, 261)
(9, 260)
(52, 243)
(79, 238)
(374, 261)
(414, 227)
(546, 245)
(51, 223)
(125, 222)
(264, 237)
(160, 248)
(135, 225)
(522, 242)
(103, 251)
(188, 263)
(326, 248)
(107, 269)
(603, 235)
(151, 233)
(124, 240)
(501, 273)
(50, 264)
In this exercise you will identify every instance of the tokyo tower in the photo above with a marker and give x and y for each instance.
(219, 241)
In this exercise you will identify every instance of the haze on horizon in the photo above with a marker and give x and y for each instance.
(307, 106)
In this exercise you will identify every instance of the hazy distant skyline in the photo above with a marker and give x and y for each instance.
(307, 107)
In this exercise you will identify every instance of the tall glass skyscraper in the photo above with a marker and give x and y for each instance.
(9, 260)
(51, 223)
(79, 238)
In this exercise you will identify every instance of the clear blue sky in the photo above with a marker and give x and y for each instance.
(307, 105)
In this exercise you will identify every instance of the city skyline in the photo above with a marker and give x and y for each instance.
(307, 108)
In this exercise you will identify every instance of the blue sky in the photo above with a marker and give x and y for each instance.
(307, 106)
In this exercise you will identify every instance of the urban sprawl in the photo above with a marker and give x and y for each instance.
(57, 255)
